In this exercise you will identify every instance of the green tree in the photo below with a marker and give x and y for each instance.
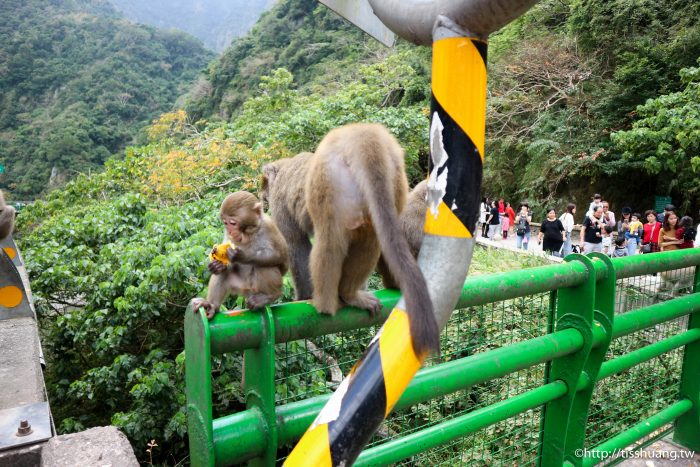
(665, 139)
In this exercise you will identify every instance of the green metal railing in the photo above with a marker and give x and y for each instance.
(538, 366)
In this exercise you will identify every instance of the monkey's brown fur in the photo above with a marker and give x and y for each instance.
(288, 206)
(355, 187)
(7, 218)
(256, 264)
(412, 220)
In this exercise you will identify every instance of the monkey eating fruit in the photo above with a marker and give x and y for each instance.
(254, 268)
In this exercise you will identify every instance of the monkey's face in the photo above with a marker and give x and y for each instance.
(241, 226)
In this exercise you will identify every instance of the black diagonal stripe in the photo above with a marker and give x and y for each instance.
(362, 409)
(482, 47)
(464, 170)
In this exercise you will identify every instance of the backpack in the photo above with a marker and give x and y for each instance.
(689, 234)
(521, 225)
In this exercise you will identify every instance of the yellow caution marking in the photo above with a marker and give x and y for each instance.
(10, 296)
(315, 446)
(459, 85)
(447, 223)
(11, 252)
(399, 363)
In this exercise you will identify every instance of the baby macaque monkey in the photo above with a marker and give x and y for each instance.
(256, 261)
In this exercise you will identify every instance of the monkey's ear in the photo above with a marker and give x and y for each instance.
(258, 208)
(269, 173)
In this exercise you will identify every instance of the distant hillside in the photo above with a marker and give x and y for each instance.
(302, 36)
(214, 22)
(77, 83)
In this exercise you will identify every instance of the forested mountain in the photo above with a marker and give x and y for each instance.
(77, 83)
(214, 22)
(302, 36)
(583, 96)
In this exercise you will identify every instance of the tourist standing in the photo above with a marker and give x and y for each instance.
(552, 233)
(650, 237)
(567, 220)
(522, 226)
(667, 235)
(591, 236)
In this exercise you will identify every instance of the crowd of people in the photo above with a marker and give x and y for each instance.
(600, 231)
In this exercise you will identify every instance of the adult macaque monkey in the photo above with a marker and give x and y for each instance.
(288, 205)
(7, 218)
(354, 187)
(256, 263)
(412, 220)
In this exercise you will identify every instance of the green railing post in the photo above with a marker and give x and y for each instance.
(200, 429)
(574, 310)
(259, 384)
(604, 314)
(687, 428)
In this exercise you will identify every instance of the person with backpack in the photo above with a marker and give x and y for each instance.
(686, 232)
(522, 226)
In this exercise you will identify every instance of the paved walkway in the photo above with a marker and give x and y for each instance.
(511, 244)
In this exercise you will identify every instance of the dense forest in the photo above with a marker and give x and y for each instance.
(214, 22)
(78, 83)
(583, 96)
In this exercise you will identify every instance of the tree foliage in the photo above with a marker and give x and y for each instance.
(79, 83)
(666, 137)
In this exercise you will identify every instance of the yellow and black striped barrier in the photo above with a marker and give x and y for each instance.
(375, 384)
(14, 302)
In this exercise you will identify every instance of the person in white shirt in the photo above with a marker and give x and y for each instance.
(567, 220)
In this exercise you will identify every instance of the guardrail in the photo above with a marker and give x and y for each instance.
(578, 351)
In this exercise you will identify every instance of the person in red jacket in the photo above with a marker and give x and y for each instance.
(651, 233)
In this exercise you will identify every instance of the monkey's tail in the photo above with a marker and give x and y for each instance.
(397, 254)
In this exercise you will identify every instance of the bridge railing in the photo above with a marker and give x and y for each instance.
(553, 365)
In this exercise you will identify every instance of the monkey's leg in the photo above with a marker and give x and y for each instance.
(299, 251)
(362, 255)
(387, 277)
(327, 256)
(220, 286)
(266, 289)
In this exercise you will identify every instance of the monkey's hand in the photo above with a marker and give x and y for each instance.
(257, 301)
(234, 254)
(198, 303)
(216, 267)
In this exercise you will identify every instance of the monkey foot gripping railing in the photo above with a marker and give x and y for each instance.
(598, 390)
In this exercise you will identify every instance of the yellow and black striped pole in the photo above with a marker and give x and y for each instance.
(377, 381)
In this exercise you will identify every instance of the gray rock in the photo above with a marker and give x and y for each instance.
(104, 446)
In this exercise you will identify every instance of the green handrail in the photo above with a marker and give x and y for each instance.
(245, 435)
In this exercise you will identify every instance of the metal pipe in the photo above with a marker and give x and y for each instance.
(627, 361)
(414, 20)
(635, 433)
(652, 315)
(293, 419)
(239, 437)
(639, 265)
(299, 320)
(406, 446)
